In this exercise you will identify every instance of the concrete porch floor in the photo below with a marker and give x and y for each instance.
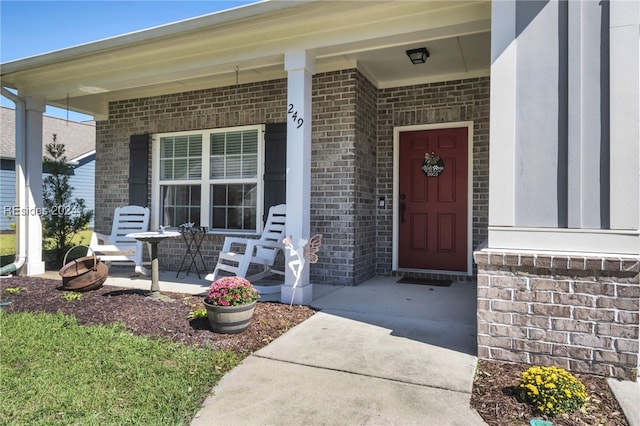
(171, 281)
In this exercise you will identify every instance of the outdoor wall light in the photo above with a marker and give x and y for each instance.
(418, 56)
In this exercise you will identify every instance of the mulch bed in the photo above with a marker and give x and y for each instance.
(494, 397)
(148, 317)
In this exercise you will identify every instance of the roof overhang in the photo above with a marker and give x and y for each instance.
(204, 52)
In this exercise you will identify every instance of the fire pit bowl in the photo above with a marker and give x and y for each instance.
(84, 273)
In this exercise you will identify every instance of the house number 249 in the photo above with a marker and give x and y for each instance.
(294, 116)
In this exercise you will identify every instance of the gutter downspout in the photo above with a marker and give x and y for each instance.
(21, 154)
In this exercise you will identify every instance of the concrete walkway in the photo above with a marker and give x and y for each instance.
(377, 353)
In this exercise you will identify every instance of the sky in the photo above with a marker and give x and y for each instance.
(29, 28)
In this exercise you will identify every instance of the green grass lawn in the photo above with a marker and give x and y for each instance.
(8, 246)
(56, 372)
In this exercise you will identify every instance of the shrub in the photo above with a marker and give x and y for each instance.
(552, 390)
(62, 216)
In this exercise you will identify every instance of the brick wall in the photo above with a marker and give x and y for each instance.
(365, 185)
(343, 181)
(334, 158)
(214, 108)
(333, 182)
(577, 312)
(451, 101)
(352, 160)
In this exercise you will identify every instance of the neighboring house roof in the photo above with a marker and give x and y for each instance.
(79, 138)
(206, 51)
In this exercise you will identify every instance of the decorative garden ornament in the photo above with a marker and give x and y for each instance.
(306, 251)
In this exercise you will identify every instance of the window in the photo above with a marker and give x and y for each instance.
(234, 176)
(210, 178)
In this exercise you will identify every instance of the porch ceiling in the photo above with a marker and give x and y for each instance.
(203, 52)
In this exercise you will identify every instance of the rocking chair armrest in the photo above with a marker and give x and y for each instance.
(249, 243)
(99, 239)
(269, 244)
(229, 241)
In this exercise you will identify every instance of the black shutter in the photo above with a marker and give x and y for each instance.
(275, 166)
(138, 169)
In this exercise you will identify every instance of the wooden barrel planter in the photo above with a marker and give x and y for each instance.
(230, 319)
(84, 273)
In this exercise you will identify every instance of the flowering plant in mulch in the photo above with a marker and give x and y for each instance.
(231, 291)
(552, 390)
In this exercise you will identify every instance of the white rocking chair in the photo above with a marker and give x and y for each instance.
(263, 251)
(117, 248)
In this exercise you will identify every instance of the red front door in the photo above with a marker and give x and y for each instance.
(432, 208)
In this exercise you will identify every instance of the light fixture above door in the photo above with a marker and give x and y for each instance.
(418, 56)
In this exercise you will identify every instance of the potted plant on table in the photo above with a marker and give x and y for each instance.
(230, 304)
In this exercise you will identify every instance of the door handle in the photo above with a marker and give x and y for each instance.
(403, 206)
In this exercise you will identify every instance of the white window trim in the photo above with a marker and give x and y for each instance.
(205, 181)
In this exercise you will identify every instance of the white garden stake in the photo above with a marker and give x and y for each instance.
(306, 251)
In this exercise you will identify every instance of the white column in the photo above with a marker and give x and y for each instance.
(625, 115)
(300, 69)
(502, 129)
(31, 165)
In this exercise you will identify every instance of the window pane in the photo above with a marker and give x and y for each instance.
(194, 200)
(234, 155)
(234, 195)
(181, 157)
(180, 146)
(234, 206)
(217, 144)
(166, 145)
(250, 166)
(179, 204)
(249, 218)
(219, 197)
(234, 143)
(217, 167)
(181, 195)
(234, 218)
(250, 141)
(180, 169)
(219, 218)
(166, 169)
(195, 168)
(233, 166)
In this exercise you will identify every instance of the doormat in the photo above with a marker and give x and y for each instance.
(424, 281)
